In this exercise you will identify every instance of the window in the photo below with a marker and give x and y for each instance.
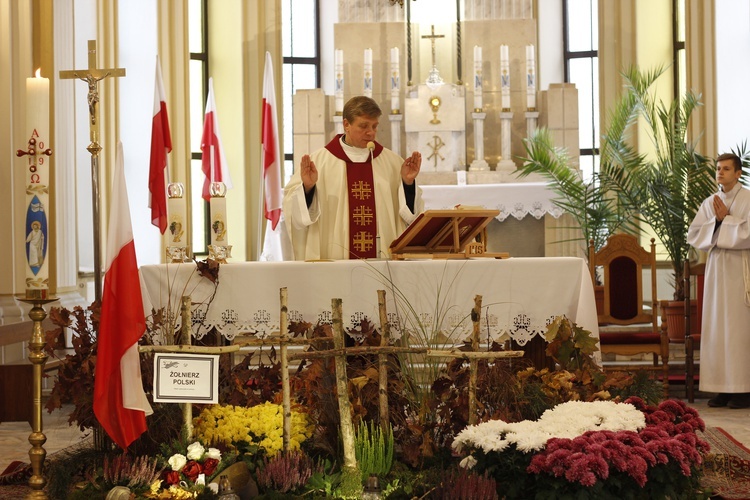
(301, 49)
(581, 45)
(198, 75)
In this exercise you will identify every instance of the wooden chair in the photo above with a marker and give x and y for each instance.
(628, 328)
(692, 325)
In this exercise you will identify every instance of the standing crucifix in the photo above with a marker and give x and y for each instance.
(433, 80)
(92, 75)
(432, 36)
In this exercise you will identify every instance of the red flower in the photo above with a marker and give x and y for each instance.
(192, 470)
(209, 466)
(171, 477)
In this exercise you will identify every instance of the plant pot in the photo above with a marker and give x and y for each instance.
(674, 315)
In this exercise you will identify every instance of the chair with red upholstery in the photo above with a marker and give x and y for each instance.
(626, 326)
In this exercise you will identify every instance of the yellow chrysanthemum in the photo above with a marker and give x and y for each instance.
(261, 424)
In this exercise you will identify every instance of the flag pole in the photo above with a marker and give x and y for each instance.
(261, 205)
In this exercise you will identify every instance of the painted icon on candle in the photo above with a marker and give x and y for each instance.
(36, 235)
(219, 228)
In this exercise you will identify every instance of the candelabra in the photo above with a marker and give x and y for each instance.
(38, 358)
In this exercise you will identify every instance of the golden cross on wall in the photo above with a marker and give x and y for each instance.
(432, 38)
(361, 190)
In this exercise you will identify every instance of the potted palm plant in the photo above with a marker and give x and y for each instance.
(593, 208)
(665, 187)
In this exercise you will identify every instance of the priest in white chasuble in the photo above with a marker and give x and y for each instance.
(353, 197)
(722, 228)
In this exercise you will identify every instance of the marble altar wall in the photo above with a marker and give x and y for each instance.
(354, 38)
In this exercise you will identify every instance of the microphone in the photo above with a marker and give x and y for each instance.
(371, 147)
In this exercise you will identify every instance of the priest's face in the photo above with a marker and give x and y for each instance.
(726, 175)
(361, 131)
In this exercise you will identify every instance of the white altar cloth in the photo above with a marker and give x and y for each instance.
(516, 199)
(520, 296)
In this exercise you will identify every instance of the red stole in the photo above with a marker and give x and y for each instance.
(363, 226)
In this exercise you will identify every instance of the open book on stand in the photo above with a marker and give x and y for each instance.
(458, 233)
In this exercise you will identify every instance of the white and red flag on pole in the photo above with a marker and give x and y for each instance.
(120, 405)
(214, 163)
(161, 145)
(271, 154)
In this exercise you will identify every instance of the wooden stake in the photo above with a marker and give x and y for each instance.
(345, 411)
(476, 314)
(186, 339)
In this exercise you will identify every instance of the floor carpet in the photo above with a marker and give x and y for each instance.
(726, 469)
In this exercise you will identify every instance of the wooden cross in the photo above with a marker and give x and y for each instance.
(92, 75)
(432, 38)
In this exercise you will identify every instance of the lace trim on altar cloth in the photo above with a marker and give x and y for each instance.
(458, 328)
(519, 210)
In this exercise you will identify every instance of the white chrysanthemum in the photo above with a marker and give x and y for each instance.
(566, 420)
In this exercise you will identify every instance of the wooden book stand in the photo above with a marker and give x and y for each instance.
(458, 233)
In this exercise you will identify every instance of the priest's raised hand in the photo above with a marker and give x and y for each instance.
(309, 173)
(410, 168)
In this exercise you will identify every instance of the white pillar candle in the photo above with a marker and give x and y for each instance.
(530, 78)
(505, 77)
(37, 187)
(176, 212)
(338, 67)
(218, 212)
(395, 80)
(368, 73)
(477, 77)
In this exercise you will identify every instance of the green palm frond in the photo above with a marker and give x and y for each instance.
(597, 213)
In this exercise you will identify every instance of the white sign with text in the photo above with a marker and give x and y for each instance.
(186, 378)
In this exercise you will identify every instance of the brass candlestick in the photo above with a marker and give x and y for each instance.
(38, 358)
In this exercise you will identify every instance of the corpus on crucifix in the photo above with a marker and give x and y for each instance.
(92, 76)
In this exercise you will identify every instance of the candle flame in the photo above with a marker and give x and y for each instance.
(38, 73)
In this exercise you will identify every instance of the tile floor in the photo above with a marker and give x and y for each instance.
(14, 444)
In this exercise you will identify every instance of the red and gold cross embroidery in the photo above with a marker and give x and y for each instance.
(362, 241)
(361, 190)
(362, 215)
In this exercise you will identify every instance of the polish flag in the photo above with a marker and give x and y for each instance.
(161, 144)
(214, 164)
(271, 154)
(120, 404)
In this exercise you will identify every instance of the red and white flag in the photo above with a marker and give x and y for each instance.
(214, 163)
(120, 404)
(271, 154)
(161, 144)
